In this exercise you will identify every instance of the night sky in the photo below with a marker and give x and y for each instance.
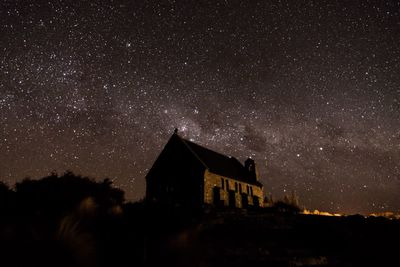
(309, 89)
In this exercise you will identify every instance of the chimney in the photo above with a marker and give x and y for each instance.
(250, 168)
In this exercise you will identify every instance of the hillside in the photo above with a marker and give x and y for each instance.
(277, 239)
(70, 221)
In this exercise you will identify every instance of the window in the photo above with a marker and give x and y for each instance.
(222, 184)
(256, 201)
(251, 190)
(227, 185)
(236, 187)
(240, 188)
(248, 190)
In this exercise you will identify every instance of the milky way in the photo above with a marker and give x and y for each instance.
(309, 89)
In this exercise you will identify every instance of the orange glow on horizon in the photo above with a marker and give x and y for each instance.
(321, 213)
(386, 214)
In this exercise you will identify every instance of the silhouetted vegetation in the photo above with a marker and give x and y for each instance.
(55, 195)
(289, 204)
(70, 220)
(58, 220)
(283, 206)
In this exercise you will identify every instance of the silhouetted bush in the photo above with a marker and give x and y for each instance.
(56, 195)
(65, 220)
(282, 206)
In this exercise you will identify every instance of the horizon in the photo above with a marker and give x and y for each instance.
(306, 210)
(269, 204)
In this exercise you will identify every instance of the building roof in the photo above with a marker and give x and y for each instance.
(218, 163)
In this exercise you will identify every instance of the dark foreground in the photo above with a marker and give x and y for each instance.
(270, 238)
(62, 226)
(226, 238)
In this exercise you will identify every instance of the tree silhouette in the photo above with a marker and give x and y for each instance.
(56, 195)
(289, 204)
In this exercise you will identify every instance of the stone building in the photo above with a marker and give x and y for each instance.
(186, 174)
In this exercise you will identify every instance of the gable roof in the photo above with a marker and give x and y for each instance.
(218, 163)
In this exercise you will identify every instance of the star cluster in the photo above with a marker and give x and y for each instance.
(309, 89)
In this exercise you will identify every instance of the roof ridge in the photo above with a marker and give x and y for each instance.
(218, 163)
(216, 152)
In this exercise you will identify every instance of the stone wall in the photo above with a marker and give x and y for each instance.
(212, 181)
